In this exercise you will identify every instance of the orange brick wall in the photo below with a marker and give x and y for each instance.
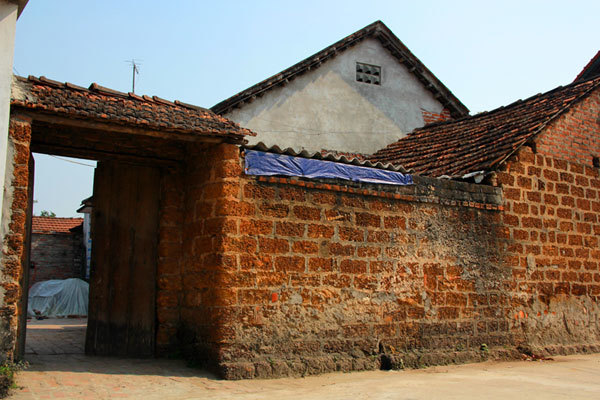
(207, 271)
(552, 218)
(575, 136)
(307, 277)
(289, 277)
(13, 248)
(431, 117)
(169, 283)
(263, 277)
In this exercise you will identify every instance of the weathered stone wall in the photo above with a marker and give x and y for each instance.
(13, 246)
(293, 277)
(266, 276)
(170, 254)
(552, 220)
(208, 273)
(56, 256)
(306, 276)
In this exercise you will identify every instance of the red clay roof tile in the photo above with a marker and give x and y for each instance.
(54, 224)
(483, 141)
(107, 105)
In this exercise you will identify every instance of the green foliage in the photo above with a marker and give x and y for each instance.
(7, 376)
(46, 213)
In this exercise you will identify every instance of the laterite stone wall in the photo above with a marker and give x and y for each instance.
(552, 221)
(13, 233)
(290, 277)
(293, 277)
(169, 284)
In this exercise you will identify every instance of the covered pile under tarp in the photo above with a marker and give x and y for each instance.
(58, 298)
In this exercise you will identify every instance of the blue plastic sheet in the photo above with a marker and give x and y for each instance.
(263, 163)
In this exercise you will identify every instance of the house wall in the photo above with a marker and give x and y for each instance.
(8, 20)
(285, 277)
(211, 179)
(169, 285)
(16, 197)
(307, 276)
(270, 276)
(56, 256)
(327, 109)
(552, 217)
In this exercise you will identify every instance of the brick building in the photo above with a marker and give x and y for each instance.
(543, 153)
(57, 249)
(286, 275)
(493, 248)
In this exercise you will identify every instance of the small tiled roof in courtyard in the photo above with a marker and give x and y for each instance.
(484, 141)
(129, 109)
(54, 224)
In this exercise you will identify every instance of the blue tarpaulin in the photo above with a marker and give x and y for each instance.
(263, 163)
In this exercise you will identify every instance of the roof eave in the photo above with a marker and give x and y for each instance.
(591, 69)
(21, 5)
(427, 78)
(376, 30)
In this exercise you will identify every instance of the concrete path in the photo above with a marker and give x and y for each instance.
(55, 336)
(75, 376)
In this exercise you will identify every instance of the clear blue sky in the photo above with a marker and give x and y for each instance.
(201, 52)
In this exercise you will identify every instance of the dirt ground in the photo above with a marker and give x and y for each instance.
(60, 371)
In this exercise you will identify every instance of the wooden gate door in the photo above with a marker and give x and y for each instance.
(121, 315)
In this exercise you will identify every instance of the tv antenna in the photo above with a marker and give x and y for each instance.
(135, 64)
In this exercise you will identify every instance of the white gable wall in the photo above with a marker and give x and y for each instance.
(327, 109)
(8, 20)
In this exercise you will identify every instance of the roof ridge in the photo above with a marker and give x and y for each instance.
(588, 65)
(318, 57)
(98, 103)
(486, 140)
(380, 32)
(97, 88)
(503, 108)
(42, 216)
(556, 114)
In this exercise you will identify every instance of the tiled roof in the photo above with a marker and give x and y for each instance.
(481, 142)
(107, 105)
(54, 224)
(591, 70)
(376, 30)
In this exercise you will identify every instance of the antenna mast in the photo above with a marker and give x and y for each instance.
(135, 70)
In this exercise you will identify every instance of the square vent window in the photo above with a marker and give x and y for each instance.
(368, 73)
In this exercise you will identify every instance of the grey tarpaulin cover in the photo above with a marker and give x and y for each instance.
(58, 298)
(263, 163)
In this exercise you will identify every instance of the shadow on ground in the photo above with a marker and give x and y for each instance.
(79, 363)
(58, 345)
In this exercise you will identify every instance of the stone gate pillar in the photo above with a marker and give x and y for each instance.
(17, 192)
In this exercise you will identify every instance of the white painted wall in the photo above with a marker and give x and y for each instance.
(8, 20)
(87, 240)
(327, 109)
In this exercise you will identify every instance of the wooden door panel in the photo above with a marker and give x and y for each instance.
(123, 281)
